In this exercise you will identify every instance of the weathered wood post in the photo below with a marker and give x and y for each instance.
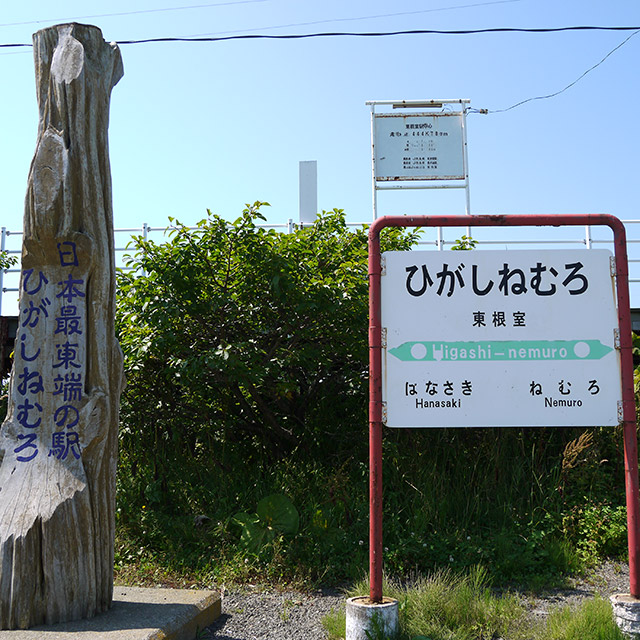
(58, 444)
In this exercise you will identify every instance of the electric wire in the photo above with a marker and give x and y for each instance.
(375, 34)
(131, 13)
(360, 18)
(571, 84)
(279, 26)
(635, 30)
(370, 34)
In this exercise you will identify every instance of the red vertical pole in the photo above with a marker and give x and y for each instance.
(628, 409)
(633, 504)
(375, 418)
(375, 370)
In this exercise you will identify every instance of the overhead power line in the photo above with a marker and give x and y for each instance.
(131, 13)
(635, 30)
(280, 26)
(371, 34)
(557, 93)
(360, 18)
(376, 34)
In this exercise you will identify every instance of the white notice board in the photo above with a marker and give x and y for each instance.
(418, 147)
(500, 338)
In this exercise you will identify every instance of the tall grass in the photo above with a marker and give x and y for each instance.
(592, 620)
(448, 606)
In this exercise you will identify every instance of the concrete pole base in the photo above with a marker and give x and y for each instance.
(364, 616)
(626, 612)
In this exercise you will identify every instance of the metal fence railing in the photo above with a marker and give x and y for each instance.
(439, 239)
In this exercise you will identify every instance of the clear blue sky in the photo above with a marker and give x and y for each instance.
(215, 125)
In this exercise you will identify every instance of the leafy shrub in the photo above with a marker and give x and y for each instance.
(242, 346)
(464, 243)
(6, 260)
(598, 530)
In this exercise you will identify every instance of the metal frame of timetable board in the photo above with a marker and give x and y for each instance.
(375, 369)
(419, 182)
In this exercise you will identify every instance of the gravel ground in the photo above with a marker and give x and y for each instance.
(608, 579)
(254, 614)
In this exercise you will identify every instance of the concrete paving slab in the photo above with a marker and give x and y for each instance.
(137, 614)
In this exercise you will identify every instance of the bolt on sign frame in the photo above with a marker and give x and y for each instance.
(375, 368)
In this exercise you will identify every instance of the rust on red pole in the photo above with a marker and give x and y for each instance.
(375, 369)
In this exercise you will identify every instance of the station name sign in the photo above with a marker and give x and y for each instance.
(497, 338)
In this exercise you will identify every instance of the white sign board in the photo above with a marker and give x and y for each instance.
(418, 147)
(499, 338)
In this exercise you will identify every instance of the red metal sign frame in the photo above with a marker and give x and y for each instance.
(375, 368)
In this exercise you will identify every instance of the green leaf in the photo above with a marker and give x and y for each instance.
(253, 535)
(279, 514)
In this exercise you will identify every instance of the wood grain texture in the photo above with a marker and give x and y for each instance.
(58, 444)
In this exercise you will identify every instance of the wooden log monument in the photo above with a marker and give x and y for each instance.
(58, 444)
